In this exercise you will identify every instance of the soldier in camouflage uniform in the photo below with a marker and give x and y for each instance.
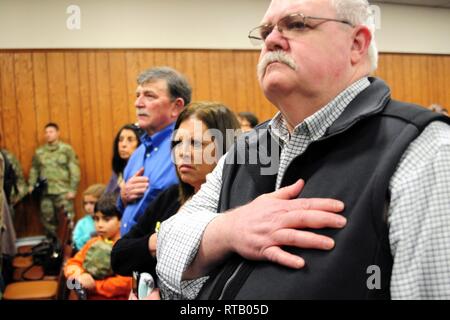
(57, 162)
(20, 190)
(21, 184)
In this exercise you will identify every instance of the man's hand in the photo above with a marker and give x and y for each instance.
(259, 230)
(30, 189)
(70, 195)
(135, 187)
(87, 281)
(152, 244)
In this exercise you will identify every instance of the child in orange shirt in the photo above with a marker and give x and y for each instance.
(91, 266)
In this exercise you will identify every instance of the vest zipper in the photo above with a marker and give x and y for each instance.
(227, 284)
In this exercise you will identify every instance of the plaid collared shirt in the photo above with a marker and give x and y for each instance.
(418, 215)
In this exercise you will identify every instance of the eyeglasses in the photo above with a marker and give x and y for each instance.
(289, 26)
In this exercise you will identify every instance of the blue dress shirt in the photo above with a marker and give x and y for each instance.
(154, 154)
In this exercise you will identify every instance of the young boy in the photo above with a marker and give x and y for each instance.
(85, 228)
(91, 266)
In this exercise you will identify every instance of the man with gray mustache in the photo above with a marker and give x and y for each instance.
(271, 57)
(340, 136)
(161, 95)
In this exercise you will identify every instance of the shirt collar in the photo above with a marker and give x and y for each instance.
(52, 147)
(316, 125)
(157, 138)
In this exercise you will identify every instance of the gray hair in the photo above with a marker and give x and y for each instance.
(358, 12)
(177, 84)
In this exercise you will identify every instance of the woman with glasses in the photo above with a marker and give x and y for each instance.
(203, 132)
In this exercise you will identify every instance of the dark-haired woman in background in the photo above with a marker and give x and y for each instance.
(125, 142)
(196, 150)
(247, 120)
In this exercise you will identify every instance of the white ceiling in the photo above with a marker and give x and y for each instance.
(428, 3)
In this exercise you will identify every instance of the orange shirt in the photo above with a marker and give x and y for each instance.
(115, 287)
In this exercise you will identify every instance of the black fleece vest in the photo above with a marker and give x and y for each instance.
(352, 162)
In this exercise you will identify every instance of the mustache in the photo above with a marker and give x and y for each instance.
(275, 56)
(140, 112)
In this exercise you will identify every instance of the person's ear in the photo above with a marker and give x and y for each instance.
(178, 107)
(360, 46)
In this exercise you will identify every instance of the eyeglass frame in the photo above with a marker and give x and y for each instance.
(305, 23)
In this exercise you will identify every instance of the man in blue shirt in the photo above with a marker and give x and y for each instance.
(161, 95)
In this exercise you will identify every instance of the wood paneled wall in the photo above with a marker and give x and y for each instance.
(90, 93)
(421, 79)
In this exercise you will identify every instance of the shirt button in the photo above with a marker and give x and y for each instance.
(125, 225)
(156, 149)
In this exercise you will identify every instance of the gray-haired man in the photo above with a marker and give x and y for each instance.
(161, 95)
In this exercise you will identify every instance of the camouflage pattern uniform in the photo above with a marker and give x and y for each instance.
(98, 260)
(21, 184)
(22, 187)
(57, 163)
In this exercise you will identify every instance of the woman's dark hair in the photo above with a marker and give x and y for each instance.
(216, 116)
(118, 164)
(107, 206)
(250, 117)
